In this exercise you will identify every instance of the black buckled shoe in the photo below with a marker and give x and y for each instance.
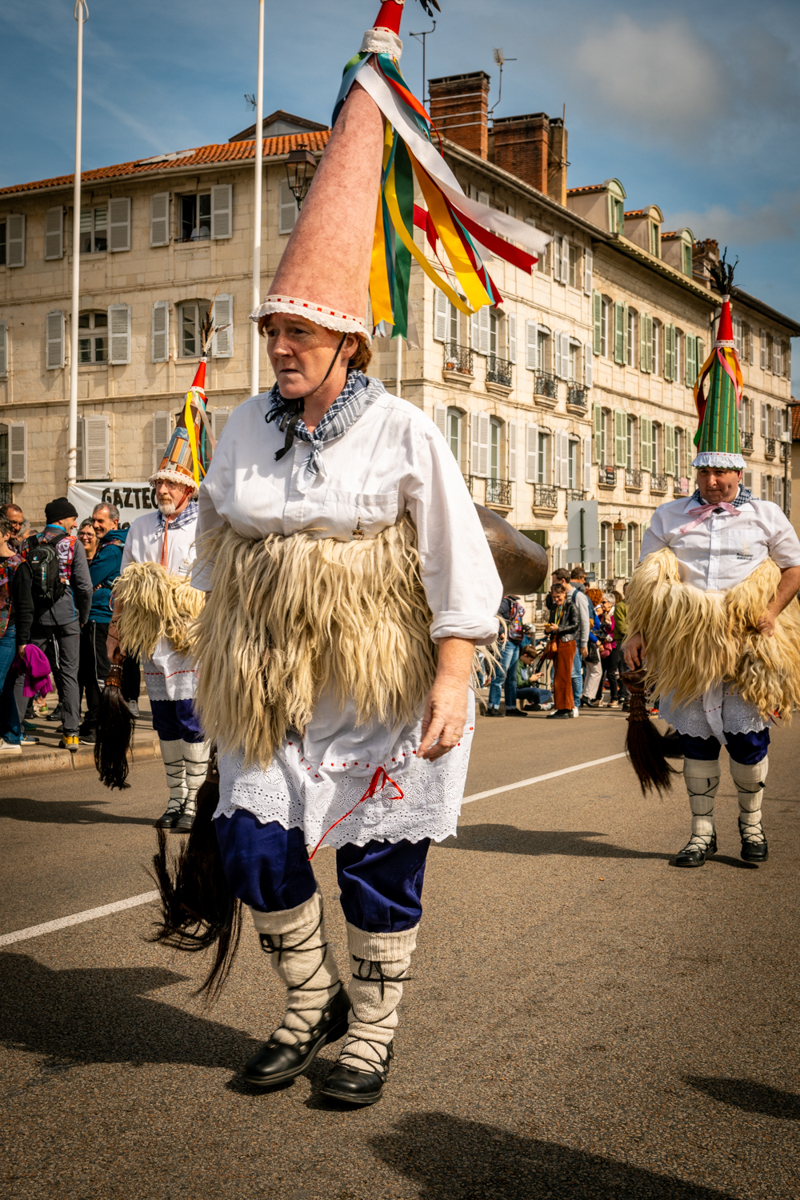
(278, 1062)
(185, 821)
(754, 843)
(696, 851)
(358, 1087)
(169, 819)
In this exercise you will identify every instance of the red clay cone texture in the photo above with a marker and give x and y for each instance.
(725, 327)
(327, 259)
(390, 16)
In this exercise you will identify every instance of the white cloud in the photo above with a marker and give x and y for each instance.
(749, 225)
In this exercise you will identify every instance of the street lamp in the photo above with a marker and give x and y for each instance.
(300, 167)
(620, 529)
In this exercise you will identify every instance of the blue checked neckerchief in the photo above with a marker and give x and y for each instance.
(351, 403)
(743, 497)
(183, 518)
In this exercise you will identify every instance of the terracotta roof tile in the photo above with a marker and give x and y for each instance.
(199, 156)
(636, 212)
(592, 187)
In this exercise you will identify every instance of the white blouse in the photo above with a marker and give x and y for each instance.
(391, 461)
(167, 675)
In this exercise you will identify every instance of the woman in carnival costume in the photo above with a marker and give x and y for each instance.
(713, 614)
(349, 582)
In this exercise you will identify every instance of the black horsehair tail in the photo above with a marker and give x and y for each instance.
(646, 745)
(722, 274)
(114, 732)
(198, 909)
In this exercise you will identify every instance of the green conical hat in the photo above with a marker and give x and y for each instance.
(718, 394)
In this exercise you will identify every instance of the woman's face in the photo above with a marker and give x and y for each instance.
(300, 352)
(88, 536)
(558, 594)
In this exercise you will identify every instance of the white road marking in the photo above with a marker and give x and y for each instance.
(91, 914)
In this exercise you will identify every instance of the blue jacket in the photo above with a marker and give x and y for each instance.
(104, 570)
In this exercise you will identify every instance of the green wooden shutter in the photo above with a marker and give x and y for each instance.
(701, 357)
(625, 333)
(669, 353)
(620, 438)
(598, 433)
(646, 444)
(669, 450)
(619, 336)
(691, 359)
(597, 322)
(644, 357)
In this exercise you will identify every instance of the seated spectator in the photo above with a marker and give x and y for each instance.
(535, 698)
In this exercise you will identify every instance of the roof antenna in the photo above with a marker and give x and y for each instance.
(251, 100)
(500, 59)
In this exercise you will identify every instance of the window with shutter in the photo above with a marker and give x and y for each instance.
(484, 433)
(531, 450)
(747, 480)
(474, 442)
(512, 337)
(512, 450)
(669, 450)
(765, 484)
(161, 331)
(3, 350)
(646, 445)
(597, 322)
(588, 364)
(620, 437)
(530, 345)
(483, 198)
(777, 423)
(219, 419)
(588, 267)
(557, 245)
(762, 342)
(619, 333)
(691, 360)
(605, 310)
(222, 341)
(54, 233)
(119, 224)
(80, 449)
(287, 210)
(625, 334)
(159, 219)
(162, 430)
(119, 329)
(701, 357)
(96, 441)
(440, 312)
(54, 354)
(17, 452)
(621, 558)
(440, 418)
(221, 211)
(481, 332)
(598, 433)
(15, 240)
(777, 365)
(587, 464)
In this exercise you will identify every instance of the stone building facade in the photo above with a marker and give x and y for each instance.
(577, 388)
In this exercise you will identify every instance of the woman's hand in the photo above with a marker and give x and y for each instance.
(633, 650)
(446, 707)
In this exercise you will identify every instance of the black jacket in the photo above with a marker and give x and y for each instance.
(22, 604)
(570, 622)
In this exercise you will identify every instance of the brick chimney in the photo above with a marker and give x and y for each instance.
(557, 161)
(704, 254)
(460, 109)
(521, 146)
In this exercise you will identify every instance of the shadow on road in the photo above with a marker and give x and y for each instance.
(102, 1015)
(64, 812)
(451, 1159)
(750, 1096)
(508, 839)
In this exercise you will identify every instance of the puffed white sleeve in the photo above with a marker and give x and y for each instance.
(654, 537)
(208, 519)
(784, 546)
(458, 572)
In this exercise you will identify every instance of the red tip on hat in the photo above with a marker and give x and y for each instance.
(200, 377)
(390, 16)
(725, 327)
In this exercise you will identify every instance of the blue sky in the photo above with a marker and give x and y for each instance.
(694, 107)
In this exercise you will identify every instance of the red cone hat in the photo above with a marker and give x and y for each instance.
(186, 457)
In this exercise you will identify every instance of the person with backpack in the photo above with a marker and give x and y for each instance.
(62, 599)
(104, 568)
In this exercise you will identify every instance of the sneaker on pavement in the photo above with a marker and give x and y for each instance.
(576, 712)
(69, 742)
(27, 740)
(9, 747)
(88, 736)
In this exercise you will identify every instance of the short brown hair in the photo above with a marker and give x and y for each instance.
(561, 573)
(577, 573)
(361, 356)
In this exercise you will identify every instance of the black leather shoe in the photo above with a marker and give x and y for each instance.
(278, 1062)
(515, 712)
(753, 851)
(357, 1087)
(169, 819)
(693, 854)
(561, 714)
(184, 823)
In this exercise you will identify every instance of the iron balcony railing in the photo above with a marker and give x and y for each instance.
(545, 497)
(607, 476)
(633, 479)
(545, 384)
(498, 370)
(658, 482)
(498, 491)
(576, 395)
(575, 494)
(769, 447)
(747, 441)
(458, 358)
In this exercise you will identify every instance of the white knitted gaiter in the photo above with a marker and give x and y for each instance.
(749, 780)
(172, 754)
(296, 942)
(195, 759)
(702, 781)
(380, 963)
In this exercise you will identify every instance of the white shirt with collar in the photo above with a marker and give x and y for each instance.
(715, 556)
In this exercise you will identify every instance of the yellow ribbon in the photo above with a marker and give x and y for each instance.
(465, 272)
(189, 419)
(378, 274)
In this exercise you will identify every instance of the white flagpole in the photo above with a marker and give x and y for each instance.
(81, 14)
(259, 148)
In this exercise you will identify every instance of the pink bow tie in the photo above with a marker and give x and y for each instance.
(700, 514)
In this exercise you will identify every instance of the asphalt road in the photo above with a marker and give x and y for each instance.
(585, 1020)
